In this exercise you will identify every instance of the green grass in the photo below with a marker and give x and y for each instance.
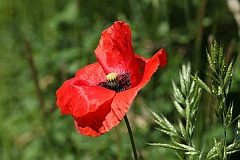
(63, 35)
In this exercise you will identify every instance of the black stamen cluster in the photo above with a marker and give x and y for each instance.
(122, 83)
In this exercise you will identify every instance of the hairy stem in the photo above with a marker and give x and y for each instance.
(131, 137)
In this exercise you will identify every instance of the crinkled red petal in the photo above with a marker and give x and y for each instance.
(109, 117)
(161, 54)
(92, 73)
(115, 52)
(149, 66)
(93, 123)
(162, 57)
(77, 98)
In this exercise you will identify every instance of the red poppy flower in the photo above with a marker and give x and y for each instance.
(100, 94)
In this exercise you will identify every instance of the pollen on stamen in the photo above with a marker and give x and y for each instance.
(117, 82)
(111, 77)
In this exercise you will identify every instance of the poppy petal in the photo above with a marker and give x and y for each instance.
(92, 73)
(91, 123)
(161, 55)
(115, 52)
(78, 98)
(121, 103)
(150, 66)
(119, 107)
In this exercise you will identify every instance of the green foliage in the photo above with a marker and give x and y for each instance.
(186, 100)
(62, 37)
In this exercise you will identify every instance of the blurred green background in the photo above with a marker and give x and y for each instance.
(45, 42)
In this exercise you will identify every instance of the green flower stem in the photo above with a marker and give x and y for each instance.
(131, 137)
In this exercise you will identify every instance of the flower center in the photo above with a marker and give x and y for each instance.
(117, 82)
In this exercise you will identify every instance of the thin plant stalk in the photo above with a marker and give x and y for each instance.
(201, 13)
(131, 138)
(34, 74)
